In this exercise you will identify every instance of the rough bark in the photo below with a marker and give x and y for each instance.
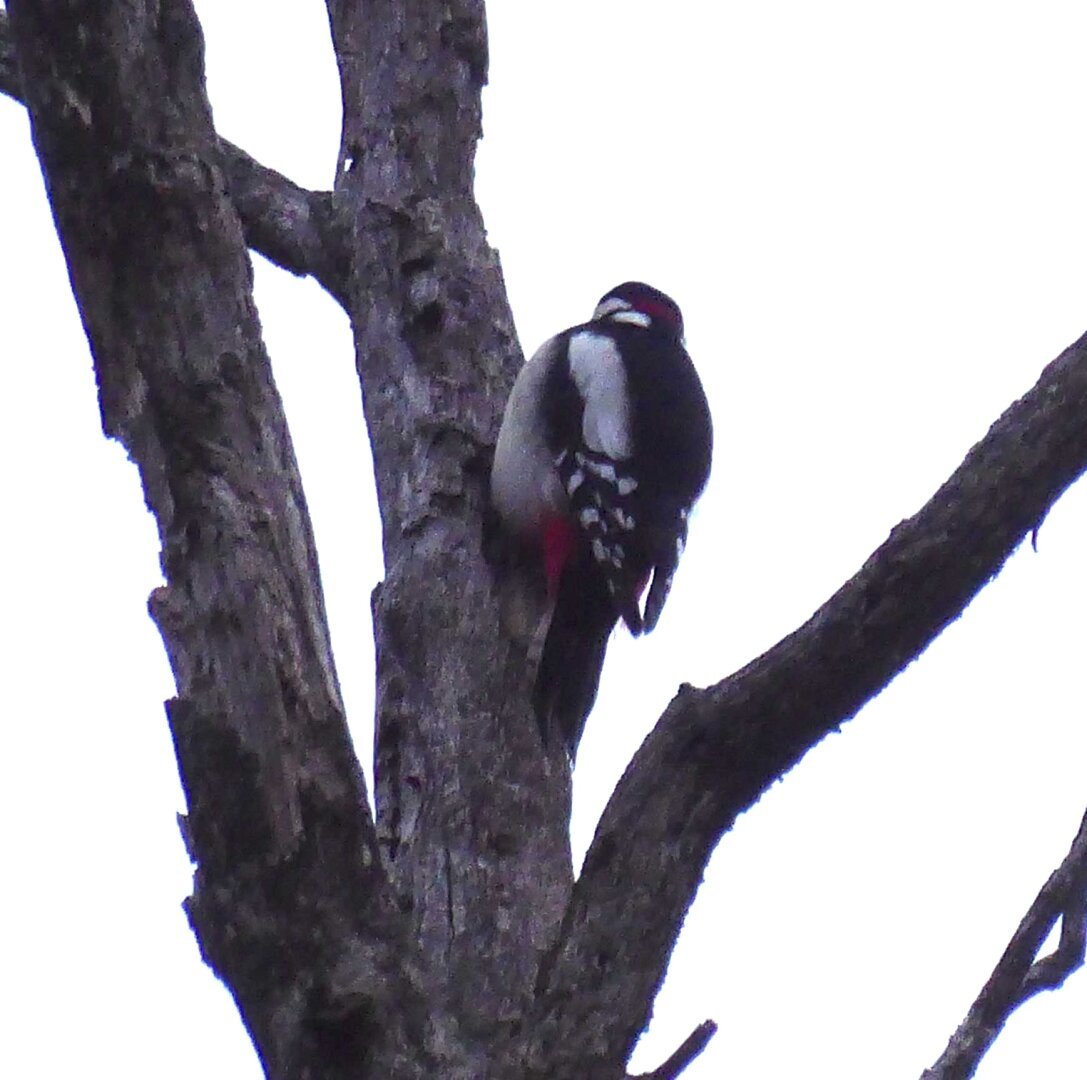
(446, 938)
(472, 817)
(288, 902)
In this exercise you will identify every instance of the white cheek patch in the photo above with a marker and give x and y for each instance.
(635, 318)
(598, 374)
(610, 306)
(615, 309)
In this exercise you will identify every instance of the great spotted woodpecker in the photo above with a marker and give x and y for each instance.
(604, 447)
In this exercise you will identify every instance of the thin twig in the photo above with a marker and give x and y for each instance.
(687, 1051)
(1018, 975)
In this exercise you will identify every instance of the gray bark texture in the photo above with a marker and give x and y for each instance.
(446, 937)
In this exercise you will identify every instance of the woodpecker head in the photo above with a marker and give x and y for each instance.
(638, 304)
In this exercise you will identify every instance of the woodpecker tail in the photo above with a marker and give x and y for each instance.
(573, 652)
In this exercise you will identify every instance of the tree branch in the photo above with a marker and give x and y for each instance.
(1018, 976)
(297, 229)
(684, 1054)
(715, 751)
(291, 904)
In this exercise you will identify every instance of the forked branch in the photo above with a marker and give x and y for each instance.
(1019, 974)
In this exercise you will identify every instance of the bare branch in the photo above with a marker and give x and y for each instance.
(1018, 976)
(291, 904)
(685, 1053)
(293, 227)
(297, 229)
(715, 751)
(1051, 971)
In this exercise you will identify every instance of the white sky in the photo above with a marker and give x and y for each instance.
(873, 217)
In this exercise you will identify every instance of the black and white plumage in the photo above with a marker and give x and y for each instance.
(604, 447)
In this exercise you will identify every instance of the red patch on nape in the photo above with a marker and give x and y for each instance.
(658, 310)
(558, 542)
(662, 309)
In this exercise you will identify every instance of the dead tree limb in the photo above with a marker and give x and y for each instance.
(1020, 973)
(290, 904)
(684, 1054)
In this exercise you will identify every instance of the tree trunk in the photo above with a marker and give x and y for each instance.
(445, 936)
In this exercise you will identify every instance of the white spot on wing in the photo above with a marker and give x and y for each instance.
(627, 484)
(576, 480)
(604, 469)
(598, 374)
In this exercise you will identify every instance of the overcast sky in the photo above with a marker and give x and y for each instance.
(873, 216)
